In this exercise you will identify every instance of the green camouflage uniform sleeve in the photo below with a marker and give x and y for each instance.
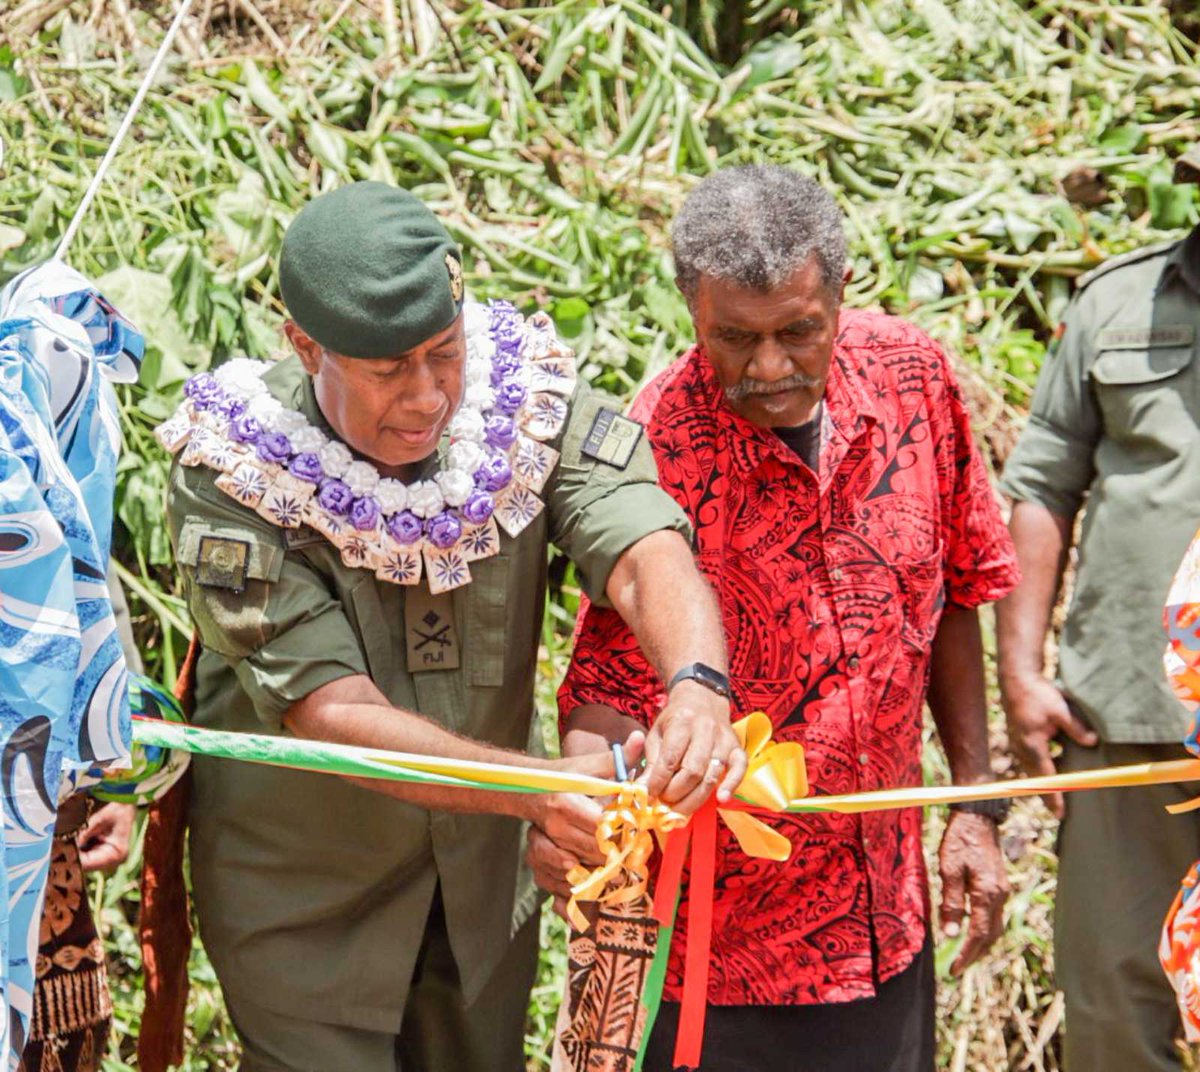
(268, 613)
(598, 509)
(1054, 461)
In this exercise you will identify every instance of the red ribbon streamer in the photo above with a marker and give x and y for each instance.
(701, 836)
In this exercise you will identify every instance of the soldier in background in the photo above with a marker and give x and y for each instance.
(1114, 423)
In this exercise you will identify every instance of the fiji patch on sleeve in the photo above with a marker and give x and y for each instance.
(612, 438)
(222, 562)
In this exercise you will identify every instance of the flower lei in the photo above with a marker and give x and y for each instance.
(273, 460)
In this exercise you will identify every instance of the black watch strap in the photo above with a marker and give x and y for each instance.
(996, 810)
(711, 679)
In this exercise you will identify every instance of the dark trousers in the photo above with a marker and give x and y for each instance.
(441, 1032)
(891, 1032)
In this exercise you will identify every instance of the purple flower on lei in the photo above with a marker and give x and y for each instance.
(203, 390)
(500, 432)
(504, 368)
(230, 407)
(274, 447)
(510, 398)
(505, 328)
(245, 429)
(443, 530)
(478, 508)
(307, 466)
(364, 513)
(404, 527)
(494, 474)
(335, 496)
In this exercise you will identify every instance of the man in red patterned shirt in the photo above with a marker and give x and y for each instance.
(845, 519)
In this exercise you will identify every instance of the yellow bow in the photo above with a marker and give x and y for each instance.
(624, 836)
(775, 776)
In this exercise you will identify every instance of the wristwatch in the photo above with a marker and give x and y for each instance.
(711, 679)
(996, 810)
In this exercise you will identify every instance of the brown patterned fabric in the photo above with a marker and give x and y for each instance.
(601, 1019)
(72, 1009)
(164, 923)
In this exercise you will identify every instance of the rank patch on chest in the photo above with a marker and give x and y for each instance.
(222, 562)
(430, 636)
(612, 438)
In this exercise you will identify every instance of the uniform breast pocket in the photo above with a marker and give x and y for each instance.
(1146, 396)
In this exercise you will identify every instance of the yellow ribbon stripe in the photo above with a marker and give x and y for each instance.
(1167, 772)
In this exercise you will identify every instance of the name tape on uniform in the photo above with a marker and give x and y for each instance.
(612, 438)
(1146, 338)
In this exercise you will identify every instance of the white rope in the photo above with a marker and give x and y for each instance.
(155, 66)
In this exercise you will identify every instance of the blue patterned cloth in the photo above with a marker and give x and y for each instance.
(64, 708)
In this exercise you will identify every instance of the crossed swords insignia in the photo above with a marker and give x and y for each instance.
(434, 636)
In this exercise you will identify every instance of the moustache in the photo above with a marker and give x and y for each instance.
(747, 388)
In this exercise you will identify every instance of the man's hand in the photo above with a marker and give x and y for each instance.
(692, 750)
(972, 867)
(1037, 713)
(550, 865)
(104, 840)
(562, 832)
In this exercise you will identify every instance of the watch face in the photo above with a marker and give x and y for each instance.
(711, 678)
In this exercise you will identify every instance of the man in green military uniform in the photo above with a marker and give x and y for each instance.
(1116, 421)
(362, 530)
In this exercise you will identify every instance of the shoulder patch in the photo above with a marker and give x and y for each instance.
(223, 562)
(226, 555)
(612, 438)
(1124, 259)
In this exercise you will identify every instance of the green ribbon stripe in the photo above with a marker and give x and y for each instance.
(319, 756)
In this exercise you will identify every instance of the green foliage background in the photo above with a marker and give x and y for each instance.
(985, 152)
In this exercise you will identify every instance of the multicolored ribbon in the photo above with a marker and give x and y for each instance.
(775, 782)
(766, 783)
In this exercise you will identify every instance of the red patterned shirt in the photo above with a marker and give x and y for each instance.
(831, 586)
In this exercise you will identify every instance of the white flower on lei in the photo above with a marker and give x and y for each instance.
(287, 422)
(392, 496)
(335, 458)
(465, 456)
(467, 424)
(478, 372)
(476, 320)
(456, 486)
(362, 478)
(480, 396)
(242, 377)
(308, 439)
(425, 498)
(263, 409)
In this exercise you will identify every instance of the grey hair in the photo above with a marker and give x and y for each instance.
(753, 226)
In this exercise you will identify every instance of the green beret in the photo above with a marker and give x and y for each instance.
(368, 271)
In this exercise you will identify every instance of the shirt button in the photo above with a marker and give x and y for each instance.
(836, 574)
(852, 662)
(863, 759)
